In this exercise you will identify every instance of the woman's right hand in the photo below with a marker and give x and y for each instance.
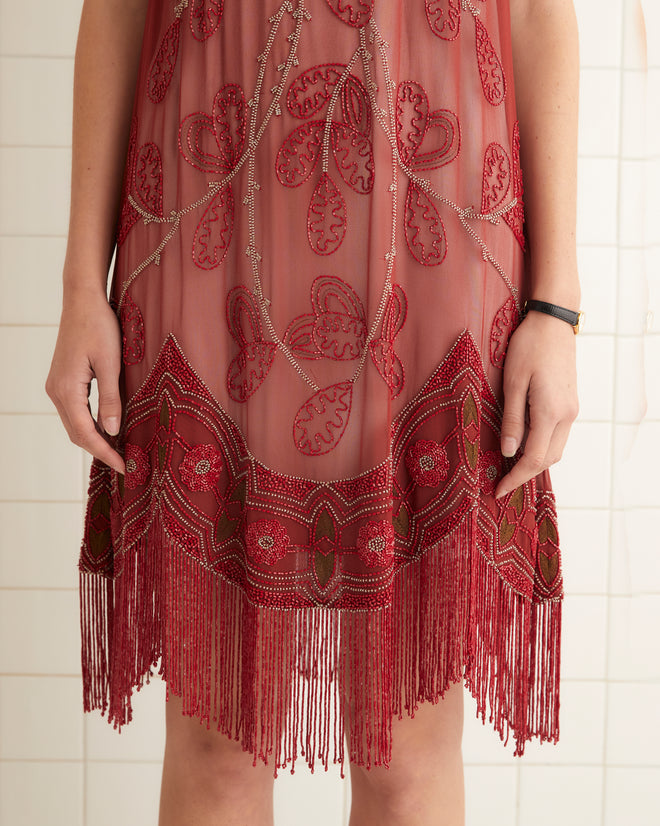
(88, 346)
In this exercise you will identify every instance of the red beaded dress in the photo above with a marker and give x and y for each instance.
(320, 261)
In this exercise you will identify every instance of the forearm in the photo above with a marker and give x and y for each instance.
(106, 64)
(546, 76)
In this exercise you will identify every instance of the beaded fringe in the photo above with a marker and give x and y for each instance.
(282, 681)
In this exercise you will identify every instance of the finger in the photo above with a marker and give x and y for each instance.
(532, 461)
(557, 443)
(107, 380)
(82, 430)
(513, 417)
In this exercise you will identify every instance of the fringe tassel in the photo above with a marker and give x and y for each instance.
(294, 682)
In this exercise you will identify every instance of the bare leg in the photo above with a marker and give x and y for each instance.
(424, 785)
(208, 780)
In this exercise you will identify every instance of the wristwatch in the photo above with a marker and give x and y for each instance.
(575, 319)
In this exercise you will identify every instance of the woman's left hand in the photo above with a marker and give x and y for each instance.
(540, 386)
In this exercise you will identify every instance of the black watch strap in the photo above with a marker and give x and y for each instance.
(569, 316)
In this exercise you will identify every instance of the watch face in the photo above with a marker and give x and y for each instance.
(580, 322)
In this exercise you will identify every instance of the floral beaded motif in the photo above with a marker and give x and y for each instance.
(138, 466)
(490, 468)
(201, 468)
(427, 462)
(267, 541)
(375, 543)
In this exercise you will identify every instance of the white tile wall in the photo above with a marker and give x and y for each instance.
(605, 771)
(490, 794)
(633, 724)
(49, 793)
(136, 804)
(631, 796)
(576, 799)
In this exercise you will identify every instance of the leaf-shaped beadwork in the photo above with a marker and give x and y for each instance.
(355, 105)
(312, 89)
(444, 18)
(214, 143)
(496, 177)
(132, 327)
(299, 337)
(321, 420)
(386, 360)
(425, 232)
(339, 336)
(354, 156)
(326, 217)
(205, 16)
(491, 72)
(299, 153)
(412, 111)
(249, 368)
(164, 62)
(441, 127)
(214, 230)
(229, 123)
(355, 13)
(149, 178)
(503, 325)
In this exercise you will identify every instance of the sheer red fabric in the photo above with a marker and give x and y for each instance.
(320, 263)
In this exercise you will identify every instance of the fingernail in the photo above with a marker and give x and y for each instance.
(508, 446)
(112, 426)
(502, 494)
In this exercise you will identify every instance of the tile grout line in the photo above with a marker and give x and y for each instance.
(613, 441)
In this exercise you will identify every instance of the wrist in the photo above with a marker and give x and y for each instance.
(562, 289)
(573, 318)
(83, 288)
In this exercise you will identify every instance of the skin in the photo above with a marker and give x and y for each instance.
(206, 778)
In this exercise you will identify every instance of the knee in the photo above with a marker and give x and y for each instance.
(193, 742)
(426, 751)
